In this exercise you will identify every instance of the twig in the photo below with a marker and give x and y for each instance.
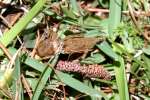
(20, 40)
(132, 15)
(17, 92)
(9, 56)
(7, 93)
(36, 44)
(15, 18)
(5, 21)
(27, 87)
(64, 92)
(136, 13)
(12, 61)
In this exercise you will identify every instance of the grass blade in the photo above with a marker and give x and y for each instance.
(146, 65)
(105, 47)
(67, 79)
(34, 64)
(43, 79)
(75, 7)
(21, 24)
(121, 80)
(114, 15)
(114, 20)
(16, 80)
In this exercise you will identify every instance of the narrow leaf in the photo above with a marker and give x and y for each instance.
(21, 24)
(106, 48)
(67, 79)
(121, 80)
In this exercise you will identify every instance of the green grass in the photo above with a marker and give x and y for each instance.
(123, 51)
(22, 23)
(114, 20)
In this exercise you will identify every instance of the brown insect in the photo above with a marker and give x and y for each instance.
(49, 45)
(70, 45)
(79, 44)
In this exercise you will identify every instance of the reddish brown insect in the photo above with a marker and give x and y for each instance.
(71, 44)
(79, 43)
(49, 45)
